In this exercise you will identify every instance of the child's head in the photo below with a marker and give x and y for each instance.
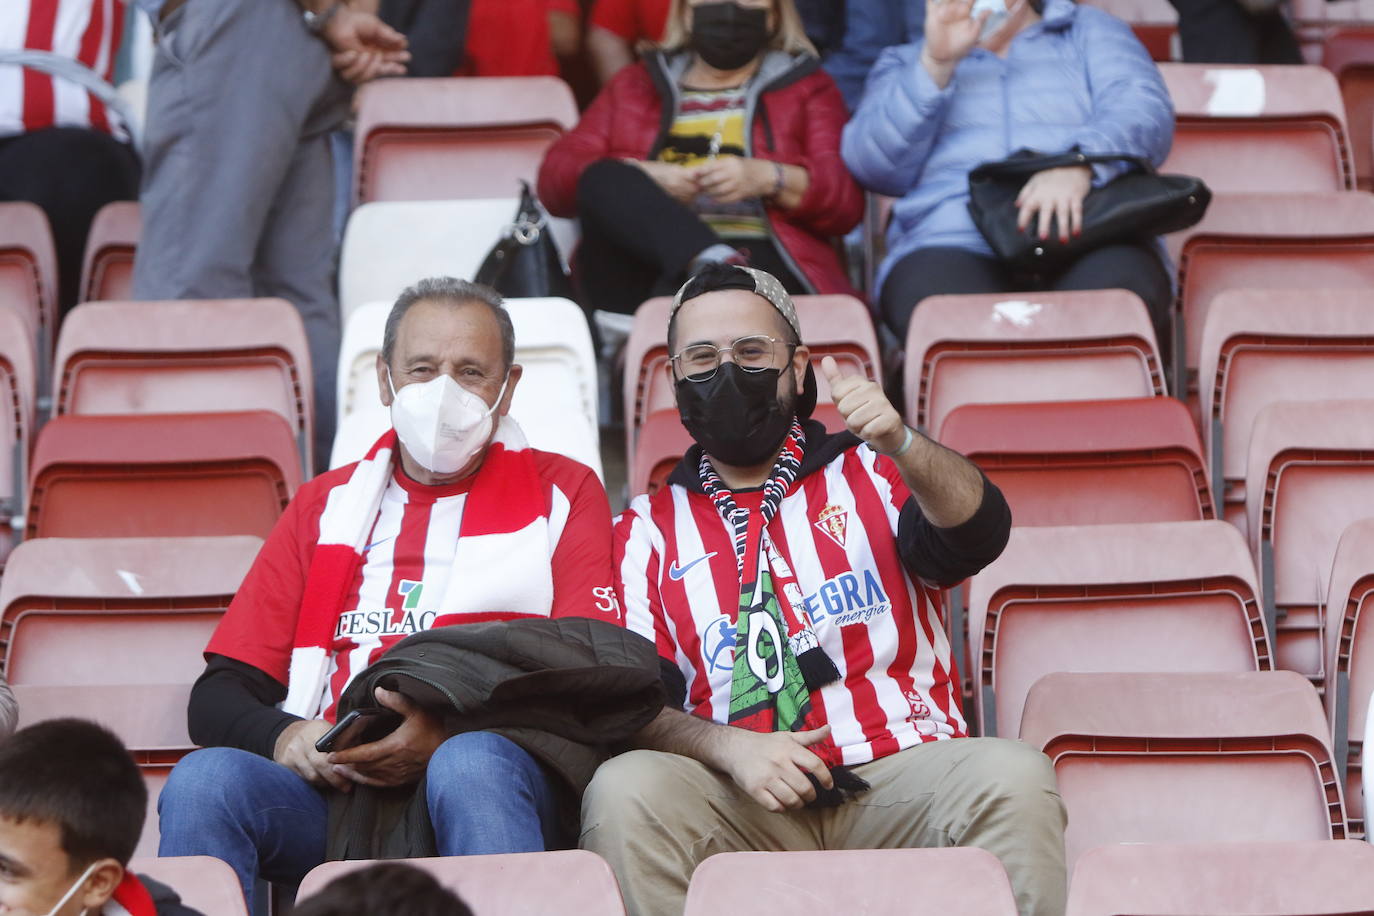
(72, 804)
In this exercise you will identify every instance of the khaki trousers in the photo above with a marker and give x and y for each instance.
(654, 817)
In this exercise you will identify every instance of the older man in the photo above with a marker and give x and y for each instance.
(450, 519)
(788, 577)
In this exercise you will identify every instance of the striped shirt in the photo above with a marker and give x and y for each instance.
(86, 31)
(405, 571)
(838, 531)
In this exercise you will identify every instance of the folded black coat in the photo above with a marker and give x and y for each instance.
(568, 691)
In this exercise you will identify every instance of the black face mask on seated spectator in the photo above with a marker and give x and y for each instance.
(728, 36)
(737, 416)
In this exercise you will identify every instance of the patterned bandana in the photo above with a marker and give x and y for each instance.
(778, 659)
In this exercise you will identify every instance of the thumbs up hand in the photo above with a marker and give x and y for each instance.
(866, 410)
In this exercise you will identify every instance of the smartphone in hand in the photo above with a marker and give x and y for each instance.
(361, 726)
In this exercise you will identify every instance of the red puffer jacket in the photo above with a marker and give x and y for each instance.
(798, 117)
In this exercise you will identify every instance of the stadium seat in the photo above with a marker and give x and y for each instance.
(186, 357)
(1165, 596)
(18, 380)
(107, 271)
(156, 584)
(440, 139)
(661, 444)
(1310, 473)
(1349, 54)
(1350, 658)
(388, 246)
(1269, 241)
(1367, 774)
(572, 882)
(1259, 128)
(555, 400)
(149, 718)
(1073, 346)
(838, 326)
(1159, 758)
(204, 883)
(28, 272)
(1224, 879)
(1261, 346)
(162, 475)
(968, 881)
(1155, 23)
(1087, 462)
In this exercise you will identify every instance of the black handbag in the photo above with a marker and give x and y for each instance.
(1138, 205)
(525, 263)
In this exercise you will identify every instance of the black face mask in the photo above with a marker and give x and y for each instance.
(736, 416)
(728, 36)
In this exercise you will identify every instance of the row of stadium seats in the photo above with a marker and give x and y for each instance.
(1241, 879)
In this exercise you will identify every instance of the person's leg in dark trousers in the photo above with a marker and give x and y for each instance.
(1137, 268)
(71, 172)
(936, 272)
(1222, 32)
(635, 228)
(765, 254)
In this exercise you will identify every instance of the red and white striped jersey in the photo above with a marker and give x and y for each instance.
(88, 31)
(837, 530)
(405, 570)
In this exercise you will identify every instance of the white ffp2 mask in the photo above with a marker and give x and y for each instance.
(997, 16)
(442, 424)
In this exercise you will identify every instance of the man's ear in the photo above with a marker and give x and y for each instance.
(384, 381)
(513, 379)
(801, 358)
(101, 884)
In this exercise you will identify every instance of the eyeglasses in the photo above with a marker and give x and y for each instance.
(752, 354)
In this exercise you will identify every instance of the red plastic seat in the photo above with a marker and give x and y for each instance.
(1259, 128)
(1224, 879)
(18, 381)
(1168, 596)
(838, 326)
(573, 882)
(162, 475)
(107, 270)
(204, 883)
(192, 356)
(1350, 662)
(1261, 346)
(1155, 22)
(1270, 241)
(439, 139)
(967, 881)
(1024, 347)
(1349, 54)
(28, 271)
(1157, 758)
(1087, 462)
(1310, 473)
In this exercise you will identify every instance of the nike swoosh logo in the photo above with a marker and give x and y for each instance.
(375, 543)
(676, 572)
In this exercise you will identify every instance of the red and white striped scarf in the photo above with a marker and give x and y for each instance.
(501, 565)
(130, 898)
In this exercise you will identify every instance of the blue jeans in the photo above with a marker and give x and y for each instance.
(486, 795)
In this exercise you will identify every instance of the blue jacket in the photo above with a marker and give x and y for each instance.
(869, 27)
(1078, 78)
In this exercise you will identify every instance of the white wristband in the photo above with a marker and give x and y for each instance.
(910, 437)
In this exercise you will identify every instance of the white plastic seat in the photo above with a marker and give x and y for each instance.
(389, 245)
(362, 341)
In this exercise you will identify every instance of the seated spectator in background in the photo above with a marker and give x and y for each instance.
(72, 804)
(723, 145)
(979, 88)
(616, 28)
(238, 195)
(451, 518)
(63, 144)
(520, 37)
(381, 889)
(828, 684)
(9, 710)
(869, 27)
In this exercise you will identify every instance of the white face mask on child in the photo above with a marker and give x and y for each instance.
(441, 423)
(71, 891)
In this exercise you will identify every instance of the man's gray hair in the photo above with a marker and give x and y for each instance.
(9, 711)
(450, 289)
